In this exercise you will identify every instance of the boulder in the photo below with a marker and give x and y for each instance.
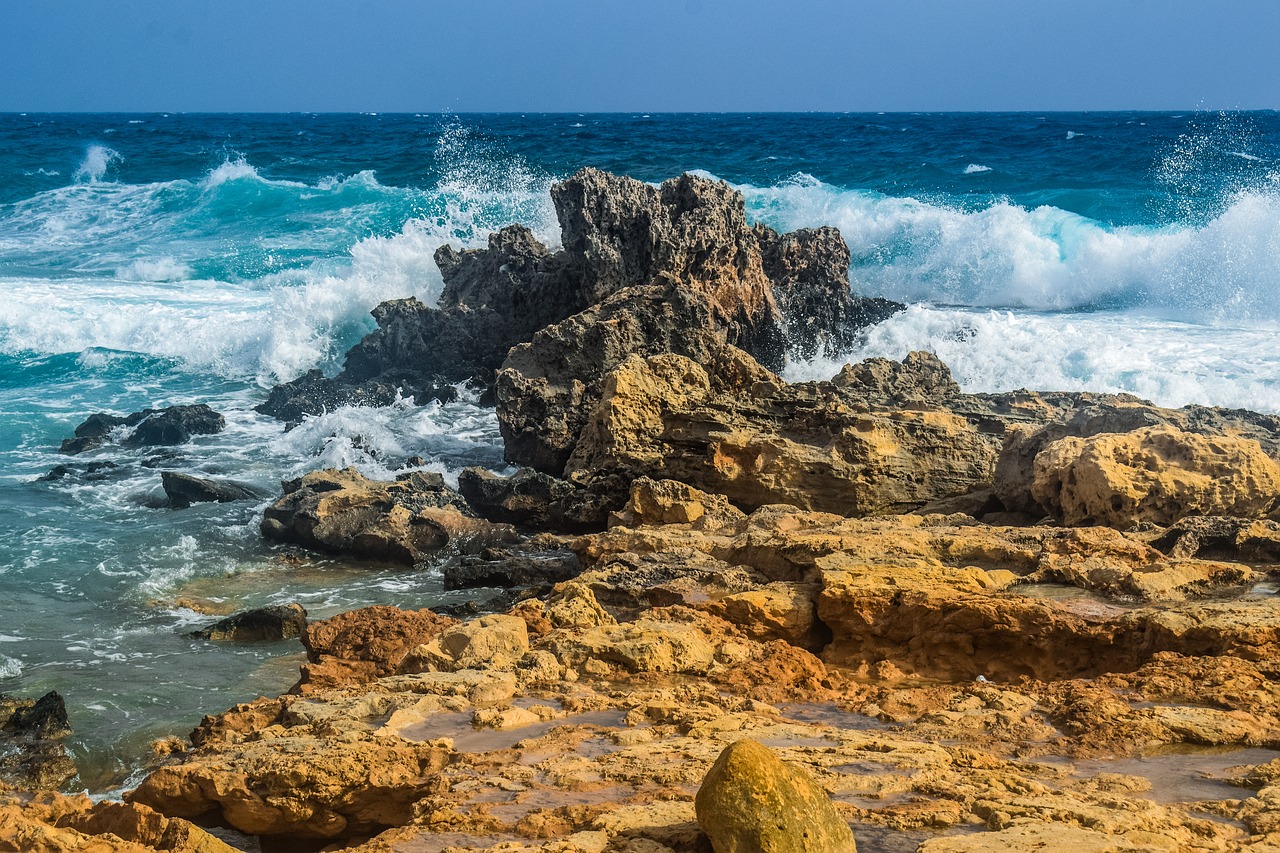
(264, 624)
(1155, 474)
(183, 490)
(406, 521)
(364, 644)
(510, 568)
(528, 497)
(32, 753)
(489, 642)
(752, 802)
(174, 425)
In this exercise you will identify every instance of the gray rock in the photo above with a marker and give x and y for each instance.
(265, 624)
(183, 490)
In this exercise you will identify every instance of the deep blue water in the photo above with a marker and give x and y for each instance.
(157, 259)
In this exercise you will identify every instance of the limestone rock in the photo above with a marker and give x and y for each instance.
(765, 442)
(367, 643)
(751, 802)
(264, 624)
(1154, 474)
(404, 522)
(490, 642)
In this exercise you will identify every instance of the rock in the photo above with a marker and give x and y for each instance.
(809, 269)
(184, 490)
(364, 644)
(751, 802)
(90, 473)
(617, 234)
(733, 429)
(489, 642)
(1036, 421)
(507, 569)
(404, 522)
(661, 502)
(32, 753)
(919, 380)
(1155, 474)
(528, 497)
(1239, 539)
(314, 394)
(52, 823)
(265, 624)
(174, 425)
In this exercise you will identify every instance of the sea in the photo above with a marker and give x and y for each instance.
(161, 259)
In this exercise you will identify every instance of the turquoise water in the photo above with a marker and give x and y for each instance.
(150, 260)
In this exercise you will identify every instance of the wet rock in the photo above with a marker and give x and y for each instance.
(509, 568)
(1155, 474)
(1243, 539)
(314, 394)
(183, 490)
(617, 233)
(173, 425)
(406, 521)
(752, 802)
(93, 472)
(809, 269)
(32, 754)
(261, 625)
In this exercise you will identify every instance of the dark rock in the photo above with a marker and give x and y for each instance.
(407, 521)
(174, 425)
(528, 497)
(617, 233)
(44, 718)
(265, 624)
(93, 472)
(184, 490)
(809, 269)
(507, 569)
(1220, 538)
(32, 753)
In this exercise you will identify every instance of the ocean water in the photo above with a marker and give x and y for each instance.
(150, 260)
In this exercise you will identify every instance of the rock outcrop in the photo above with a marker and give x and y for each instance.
(32, 750)
(617, 234)
(406, 521)
(174, 425)
(261, 625)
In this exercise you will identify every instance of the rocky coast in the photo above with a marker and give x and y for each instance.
(718, 611)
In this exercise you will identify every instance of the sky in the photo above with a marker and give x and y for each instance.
(649, 55)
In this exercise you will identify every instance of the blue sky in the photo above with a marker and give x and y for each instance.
(605, 55)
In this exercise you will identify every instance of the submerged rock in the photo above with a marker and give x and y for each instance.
(264, 624)
(173, 425)
(752, 802)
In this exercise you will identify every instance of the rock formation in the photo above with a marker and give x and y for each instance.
(263, 624)
(618, 234)
(184, 489)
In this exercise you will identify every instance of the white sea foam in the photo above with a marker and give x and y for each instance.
(1045, 259)
(9, 667)
(976, 169)
(1168, 362)
(162, 268)
(98, 159)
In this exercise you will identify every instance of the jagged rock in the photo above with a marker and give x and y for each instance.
(52, 823)
(314, 394)
(174, 425)
(487, 642)
(364, 644)
(1050, 418)
(1155, 474)
(92, 472)
(809, 269)
(752, 802)
(1243, 539)
(510, 568)
(183, 490)
(264, 624)
(617, 233)
(737, 430)
(406, 521)
(919, 380)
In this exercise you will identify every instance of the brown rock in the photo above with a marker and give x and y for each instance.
(364, 644)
